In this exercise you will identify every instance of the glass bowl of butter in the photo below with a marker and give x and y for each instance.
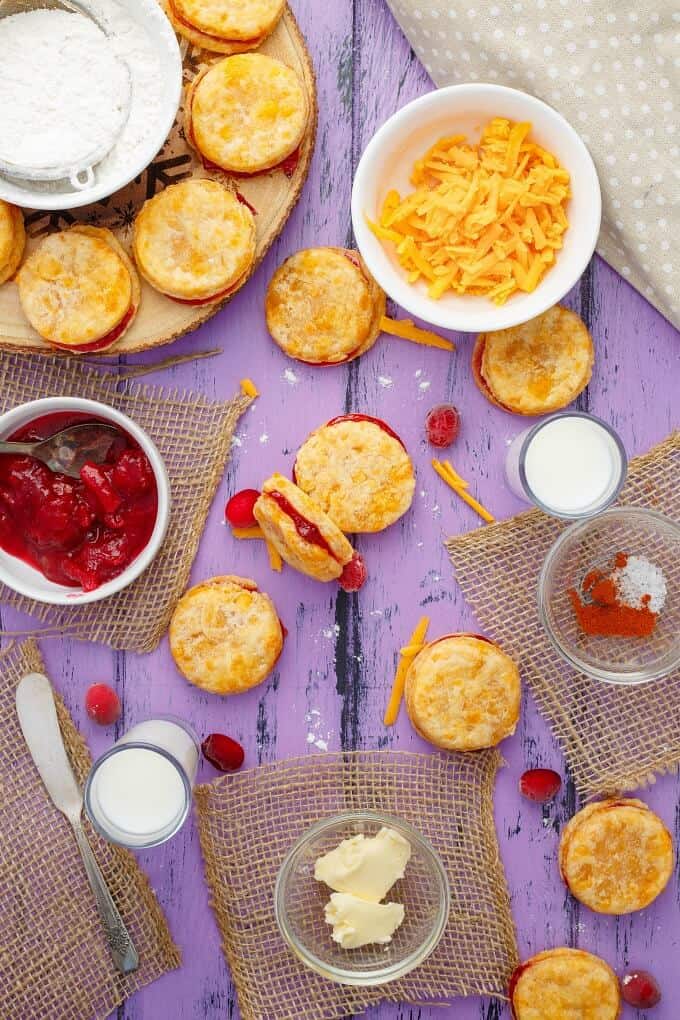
(362, 898)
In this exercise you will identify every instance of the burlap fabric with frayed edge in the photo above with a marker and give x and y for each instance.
(614, 738)
(54, 960)
(193, 435)
(249, 822)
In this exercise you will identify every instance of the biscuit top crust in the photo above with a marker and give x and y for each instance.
(561, 984)
(225, 635)
(240, 20)
(539, 366)
(616, 856)
(319, 306)
(7, 232)
(248, 112)
(463, 693)
(75, 287)
(357, 470)
(194, 239)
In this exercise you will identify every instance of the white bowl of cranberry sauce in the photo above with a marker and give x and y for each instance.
(69, 541)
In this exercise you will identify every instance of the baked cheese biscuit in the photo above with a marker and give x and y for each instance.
(246, 113)
(357, 470)
(12, 240)
(463, 693)
(565, 984)
(232, 27)
(79, 290)
(225, 635)
(303, 534)
(195, 241)
(537, 367)
(323, 307)
(616, 856)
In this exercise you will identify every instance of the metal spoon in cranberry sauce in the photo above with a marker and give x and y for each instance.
(67, 451)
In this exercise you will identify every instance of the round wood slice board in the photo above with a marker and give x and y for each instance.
(272, 194)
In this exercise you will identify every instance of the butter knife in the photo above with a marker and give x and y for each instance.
(40, 727)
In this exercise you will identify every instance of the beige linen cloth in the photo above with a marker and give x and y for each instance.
(611, 67)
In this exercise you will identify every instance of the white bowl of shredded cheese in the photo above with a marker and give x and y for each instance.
(387, 164)
(89, 90)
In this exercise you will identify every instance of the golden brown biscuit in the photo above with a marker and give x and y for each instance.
(12, 240)
(79, 290)
(535, 368)
(565, 984)
(194, 241)
(323, 307)
(233, 27)
(357, 470)
(303, 534)
(616, 856)
(463, 693)
(246, 113)
(225, 635)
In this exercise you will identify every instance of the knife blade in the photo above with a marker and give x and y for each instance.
(39, 723)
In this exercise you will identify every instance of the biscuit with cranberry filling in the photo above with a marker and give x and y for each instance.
(565, 984)
(232, 27)
(12, 240)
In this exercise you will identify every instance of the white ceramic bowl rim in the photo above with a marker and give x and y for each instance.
(464, 313)
(43, 590)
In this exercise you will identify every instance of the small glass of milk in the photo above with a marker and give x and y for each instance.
(570, 465)
(138, 794)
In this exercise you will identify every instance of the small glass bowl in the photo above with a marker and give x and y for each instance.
(593, 543)
(299, 902)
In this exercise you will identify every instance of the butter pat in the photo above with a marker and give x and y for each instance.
(365, 867)
(357, 922)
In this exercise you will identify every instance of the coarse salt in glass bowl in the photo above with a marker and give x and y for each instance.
(593, 544)
(299, 902)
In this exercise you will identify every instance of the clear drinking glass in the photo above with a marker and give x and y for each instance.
(570, 465)
(138, 793)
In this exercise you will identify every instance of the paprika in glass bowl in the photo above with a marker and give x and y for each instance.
(70, 541)
(609, 595)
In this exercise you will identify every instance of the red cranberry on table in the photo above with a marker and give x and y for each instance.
(102, 704)
(540, 785)
(640, 989)
(442, 425)
(224, 753)
(354, 574)
(239, 509)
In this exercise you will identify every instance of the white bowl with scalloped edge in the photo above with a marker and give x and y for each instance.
(387, 162)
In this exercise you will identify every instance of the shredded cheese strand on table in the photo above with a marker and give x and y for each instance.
(456, 477)
(249, 388)
(254, 532)
(407, 330)
(484, 219)
(407, 655)
(452, 482)
(275, 561)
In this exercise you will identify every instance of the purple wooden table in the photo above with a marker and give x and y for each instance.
(331, 684)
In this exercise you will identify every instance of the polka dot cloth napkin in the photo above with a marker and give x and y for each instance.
(611, 68)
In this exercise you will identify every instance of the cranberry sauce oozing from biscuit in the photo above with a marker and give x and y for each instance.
(304, 527)
(366, 417)
(105, 341)
(78, 532)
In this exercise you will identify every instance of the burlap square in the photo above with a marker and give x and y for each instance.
(614, 738)
(54, 961)
(249, 822)
(193, 435)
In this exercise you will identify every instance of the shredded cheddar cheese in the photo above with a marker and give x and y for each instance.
(249, 388)
(405, 329)
(484, 219)
(254, 532)
(460, 490)
(407, 655)
(455, 476)
(275, 561)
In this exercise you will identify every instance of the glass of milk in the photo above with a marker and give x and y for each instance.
(570, 465)
(138, 794)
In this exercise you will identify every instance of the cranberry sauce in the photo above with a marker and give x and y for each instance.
(304, 528)
(78, 532)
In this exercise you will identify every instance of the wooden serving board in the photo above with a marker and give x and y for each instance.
(272, 194)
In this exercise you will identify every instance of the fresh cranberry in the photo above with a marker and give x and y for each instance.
(102, 704)
(239, 509)
(354, 574)
(540, 785)
(442, 425)
(96, 480)
(224, 753)
(640, 989)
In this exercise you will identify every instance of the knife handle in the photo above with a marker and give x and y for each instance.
(125, 956)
